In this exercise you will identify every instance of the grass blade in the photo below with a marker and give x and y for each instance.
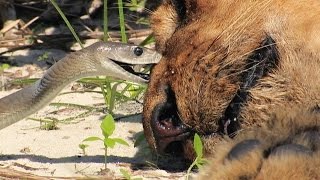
(105, 20)
(122, 24)
(67, 22)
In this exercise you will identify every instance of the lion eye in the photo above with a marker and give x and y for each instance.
(138, 51)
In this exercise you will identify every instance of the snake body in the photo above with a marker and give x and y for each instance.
(97, 59)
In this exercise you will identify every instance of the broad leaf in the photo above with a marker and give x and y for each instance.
(92, 138)
(107, 126)
(197, 145)
(120, 141)
(108, 142)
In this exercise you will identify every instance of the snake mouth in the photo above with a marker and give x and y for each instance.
(131, 68)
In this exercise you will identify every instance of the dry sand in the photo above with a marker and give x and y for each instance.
(55, 153)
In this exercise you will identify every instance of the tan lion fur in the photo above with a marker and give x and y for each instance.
(213, 40)
(288, 125)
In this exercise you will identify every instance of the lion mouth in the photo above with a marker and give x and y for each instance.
(172, 134)
(167, 127)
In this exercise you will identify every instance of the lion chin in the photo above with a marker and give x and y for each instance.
(245, 76)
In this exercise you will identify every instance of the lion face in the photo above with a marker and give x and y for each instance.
(225, 66)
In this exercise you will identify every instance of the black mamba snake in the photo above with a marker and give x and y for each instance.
(100, 58)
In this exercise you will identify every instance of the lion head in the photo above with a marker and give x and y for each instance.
(228, 65)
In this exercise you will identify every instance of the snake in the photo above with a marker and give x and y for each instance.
(100, 58)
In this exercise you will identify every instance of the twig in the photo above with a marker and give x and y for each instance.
(30, 22)
(10, 26)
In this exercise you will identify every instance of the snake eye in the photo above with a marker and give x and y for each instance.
(138, 51)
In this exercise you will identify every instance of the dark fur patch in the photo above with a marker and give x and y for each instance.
(180, 7)
(243, 148)
(263, 60)
(290, 148)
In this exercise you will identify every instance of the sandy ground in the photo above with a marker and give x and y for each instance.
(55, 153)
(27, 148)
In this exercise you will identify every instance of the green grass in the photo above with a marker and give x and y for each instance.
(124, 38)
(53, 2)
(109, 87)
(105, 20)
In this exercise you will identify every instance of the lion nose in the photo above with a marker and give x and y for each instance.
(168, 129)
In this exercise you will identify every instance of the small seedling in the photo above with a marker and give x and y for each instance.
(128, 176)
(198, 148)
(107, 126)
(47, 123)
(50, 125)
(83, 148)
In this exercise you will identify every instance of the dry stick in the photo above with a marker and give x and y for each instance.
(6, 173)
(11, 40)
(10, 26)
(30, 22)
(85, 26)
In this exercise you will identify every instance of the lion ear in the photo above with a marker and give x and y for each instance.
(173, 13)
(163, 22)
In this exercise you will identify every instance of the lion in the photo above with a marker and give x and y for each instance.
(245, 76)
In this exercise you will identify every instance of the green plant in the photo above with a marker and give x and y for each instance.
(128, 176)
(44, 56)
(124, 38)
(105, 20)
(83, 148)
(135, 5)
(50, 125)
(199, 161)
(4, 66)
(47, 124)
(113, 93)
(107, 126)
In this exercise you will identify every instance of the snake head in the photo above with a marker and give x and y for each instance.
(117, 59)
